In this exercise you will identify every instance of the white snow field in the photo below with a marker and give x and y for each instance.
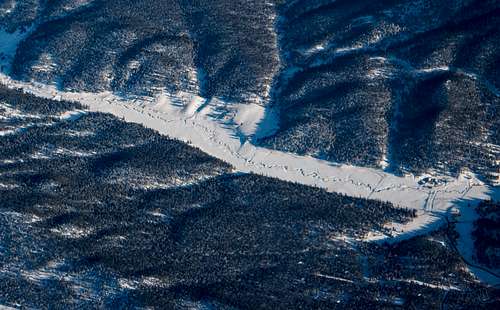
(198, 121)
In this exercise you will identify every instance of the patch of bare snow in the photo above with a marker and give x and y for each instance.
(77, 4)
(320, 275)
(152, 281)
(71, 231)
(45, 64)
(8, 186)
(8, 46)
(72, 115)
(8, 132)
(73, 153)
(78, 133)
(157, 214)
(7, 7)
(431, 285)
(127, 284)
(193, 104)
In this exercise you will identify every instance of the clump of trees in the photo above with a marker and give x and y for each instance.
(486, 233)
(140, 47)
(29, 103)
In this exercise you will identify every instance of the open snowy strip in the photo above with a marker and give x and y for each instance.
(175, 116)
(218, 139)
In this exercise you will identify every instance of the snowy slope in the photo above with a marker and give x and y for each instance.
(8, 46)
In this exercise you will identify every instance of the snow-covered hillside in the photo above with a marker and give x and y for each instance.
(372, 96)
(432, 195)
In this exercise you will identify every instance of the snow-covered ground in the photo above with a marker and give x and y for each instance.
(8, 46)
(199, 122)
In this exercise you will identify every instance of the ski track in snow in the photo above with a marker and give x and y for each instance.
(217, 138)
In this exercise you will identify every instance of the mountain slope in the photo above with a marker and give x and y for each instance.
(143, 46)
(409, 86)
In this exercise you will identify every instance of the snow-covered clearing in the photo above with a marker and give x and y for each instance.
(8, 46)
